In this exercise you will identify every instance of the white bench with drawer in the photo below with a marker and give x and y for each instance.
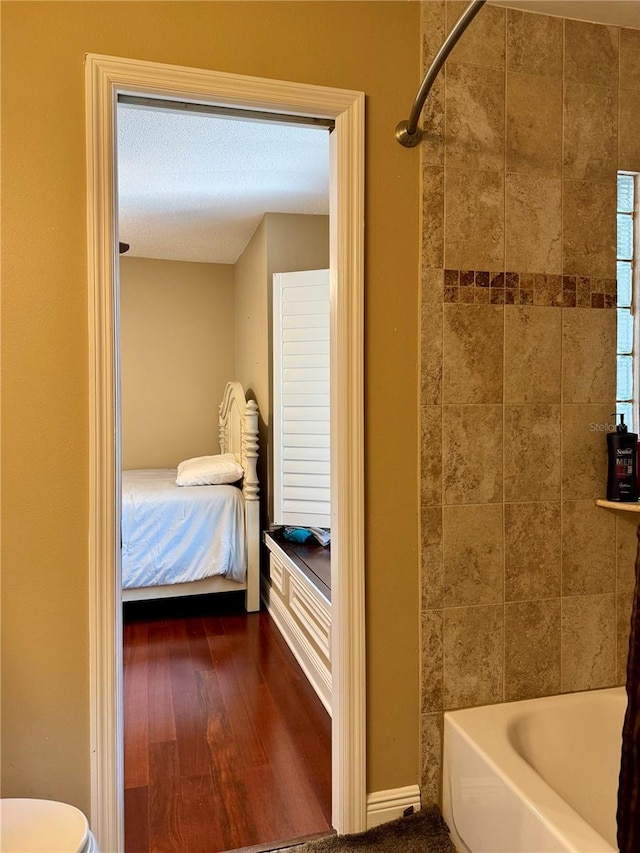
(303, 616)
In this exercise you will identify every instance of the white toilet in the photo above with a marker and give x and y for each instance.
(43, 826)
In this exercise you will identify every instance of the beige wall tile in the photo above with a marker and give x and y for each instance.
(534, 125)
(474, 117)
(533, 237)
(431, 455)
(472, 454)
(431, 355)
(630, 131)
(431, 657)
(624, 607)
(588, 642)
(589, 225)
(532, 649)
(532, 546)
(473, 656)
(591, 53)
(432, 287)
(473, 353)
(474, 221)
(590, 132)
(532, 354)
(431, 557)
(432, 216)
(531, 452)
(584, 450)
(432, 122)
(483, 42)
(534, 43)
(626, 549)
(431, 758)
(433, 29)
(588, 355)
(473, 560)
(588, 549)
(629, 59)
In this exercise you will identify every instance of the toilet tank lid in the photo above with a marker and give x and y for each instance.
(41, 826)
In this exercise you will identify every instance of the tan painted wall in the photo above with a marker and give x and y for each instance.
(178, 352)
(368, 46)
(252, 340)
(251, 322)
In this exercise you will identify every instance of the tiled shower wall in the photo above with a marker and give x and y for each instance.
(526, 584)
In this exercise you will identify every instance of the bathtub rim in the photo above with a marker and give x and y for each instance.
(515, 772)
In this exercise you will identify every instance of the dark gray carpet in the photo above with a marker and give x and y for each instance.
(422, 832)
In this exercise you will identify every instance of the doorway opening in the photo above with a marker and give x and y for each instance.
(107, 78)
(208, 205)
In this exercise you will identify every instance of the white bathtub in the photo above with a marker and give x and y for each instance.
(535, 776)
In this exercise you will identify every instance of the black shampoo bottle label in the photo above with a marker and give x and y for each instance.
(622, 475)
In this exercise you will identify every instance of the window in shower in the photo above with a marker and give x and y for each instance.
(627, 275)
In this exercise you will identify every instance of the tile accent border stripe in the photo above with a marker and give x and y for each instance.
(511, 288)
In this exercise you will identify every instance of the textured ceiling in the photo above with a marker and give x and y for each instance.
(621, 13)
(194, 187)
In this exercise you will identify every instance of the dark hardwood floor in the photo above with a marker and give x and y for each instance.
(226, 744)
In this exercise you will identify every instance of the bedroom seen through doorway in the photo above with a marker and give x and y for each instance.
(226, 742)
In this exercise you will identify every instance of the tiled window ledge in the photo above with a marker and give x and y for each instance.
(619, 505)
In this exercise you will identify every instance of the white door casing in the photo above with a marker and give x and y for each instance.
(106, 77)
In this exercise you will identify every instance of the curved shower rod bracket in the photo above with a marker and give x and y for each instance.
(407, 132)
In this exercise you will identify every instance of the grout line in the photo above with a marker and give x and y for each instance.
(442, 380)
(562, 237)
(504, 350)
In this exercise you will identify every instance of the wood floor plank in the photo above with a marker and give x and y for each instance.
(271, 811)
(136, 826)
(232, 683)
(136, 744)
(162, 726)
(198, 644)
(202, 820)
(181, 672)
(191, 730)
(135, 662)
(165, 800)
(247, 746)
(228, 784)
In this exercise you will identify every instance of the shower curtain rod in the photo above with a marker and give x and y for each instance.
(407, 132)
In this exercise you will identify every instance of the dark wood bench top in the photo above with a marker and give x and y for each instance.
(313, 560)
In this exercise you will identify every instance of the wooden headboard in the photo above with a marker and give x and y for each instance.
(238, 432)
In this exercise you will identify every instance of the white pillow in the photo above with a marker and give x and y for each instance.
(209, 470)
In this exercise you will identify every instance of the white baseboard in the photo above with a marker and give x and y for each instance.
(383, 806)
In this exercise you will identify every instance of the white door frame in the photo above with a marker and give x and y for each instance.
(106, 77)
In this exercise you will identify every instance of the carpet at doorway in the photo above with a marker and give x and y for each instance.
(423, 832)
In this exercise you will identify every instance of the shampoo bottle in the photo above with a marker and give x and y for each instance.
(622, 476)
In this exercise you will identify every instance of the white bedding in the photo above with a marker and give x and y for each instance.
(172, 534)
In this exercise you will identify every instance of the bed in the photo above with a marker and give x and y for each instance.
(193, 540)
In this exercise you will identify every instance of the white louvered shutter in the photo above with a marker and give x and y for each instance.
(301, 443)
